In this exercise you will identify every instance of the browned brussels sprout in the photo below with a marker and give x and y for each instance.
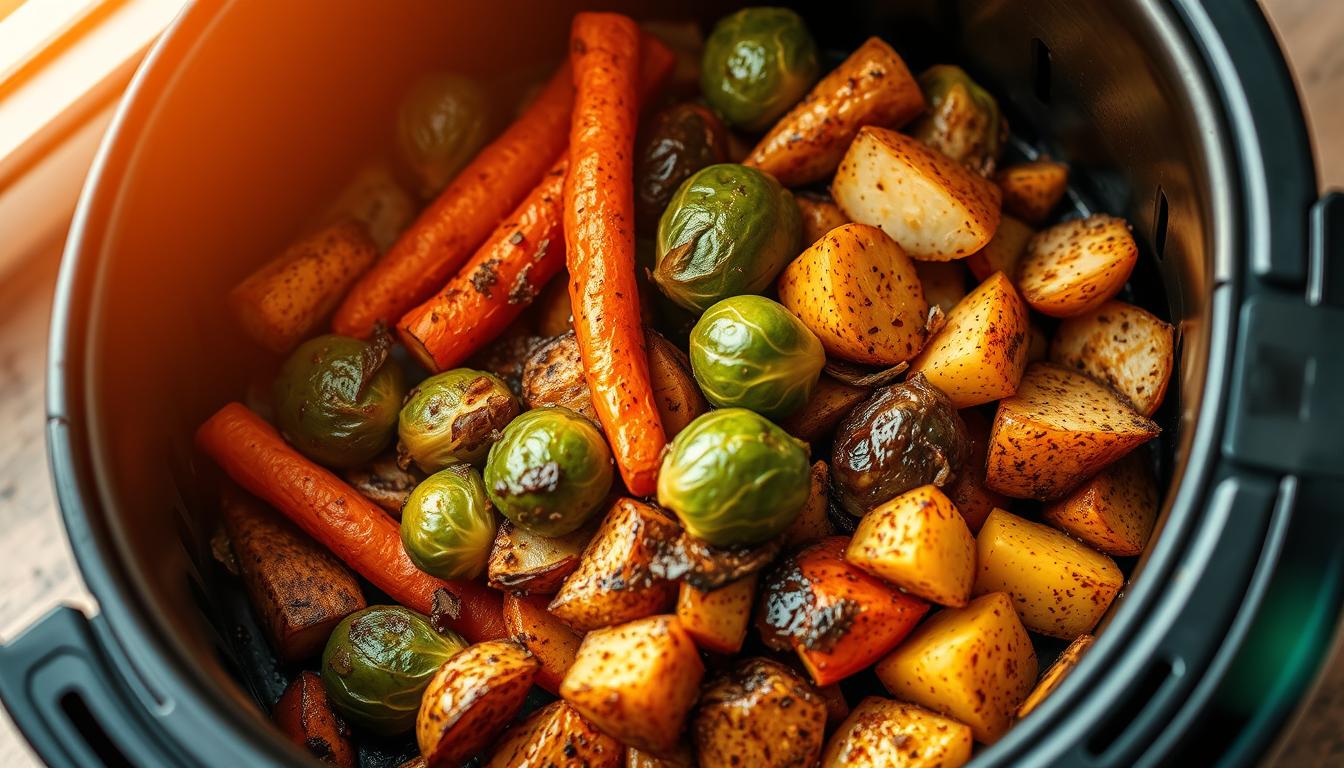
(676, 142)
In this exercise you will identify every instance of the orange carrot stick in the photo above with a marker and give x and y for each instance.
(600, 243)
(355, 529)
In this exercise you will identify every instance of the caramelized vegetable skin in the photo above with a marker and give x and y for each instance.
(305, 716)
(878, 727)
(759, 713)
(546, 637)
(471, 700)
(556, 735)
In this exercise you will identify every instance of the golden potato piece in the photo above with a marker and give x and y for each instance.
(881, 733)
(820, 215)
(556, 735)
(813, 522)
(857, 290)
(1032, 190)
(718, 619)
(523, 561)
(974, 664)
(1074, 267)
(919, 542)
(944, 283)
(1003, 251)
(1058, 429)
(871, 87)
(761, 713)
(980, 353)
(1060, 587)
(1055, 674)
(471, 699)
(1122, 345)
(935, 207)
(1114, 511)
(637, 682)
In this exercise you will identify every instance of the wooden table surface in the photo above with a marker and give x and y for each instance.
(38, 571)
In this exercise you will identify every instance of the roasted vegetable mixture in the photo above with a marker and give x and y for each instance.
(637, 455)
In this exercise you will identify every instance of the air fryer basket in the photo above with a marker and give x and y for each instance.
(1178, 115)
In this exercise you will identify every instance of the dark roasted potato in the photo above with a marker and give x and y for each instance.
(812, 523)
(556, 735)
(383, 482)
(522, 561)
(305, 716)
(760, 714)
(471, 699)
(831, 401)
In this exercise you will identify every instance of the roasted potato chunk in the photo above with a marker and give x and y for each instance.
(1032, 190)
(1003, 251)
(820, 215)
(1059, 586)
(547, 638)
(944, 283)
(872, 87)
(1122, 345)
(1114, 511)
(614, 583)
(882, 732)
(980, 353)
(384, 483)
(637, 682)
(813, 522)
(523, 561)
(556, 735)
(677, 396)
(968, 492)
(717, 620)
(857, 290)
(1055, 674)
(305, 716)
(761, 713)
(471, 699)
(831, 401)
(1059, 428)
(1075, 267)
(681, 756)
(919, 542)
(974, 664)
(936, 208)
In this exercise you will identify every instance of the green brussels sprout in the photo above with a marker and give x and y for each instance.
(379, 661)
(962, 121)
(751, 352)
(448, 525)
(676, 142)
(549, 472)
(903, 436)
(337, 399)
(728, 230)
(733, 477)
(443, 119)
(757, 64)
(454, 417)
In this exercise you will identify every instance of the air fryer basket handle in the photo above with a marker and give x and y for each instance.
(63, 692)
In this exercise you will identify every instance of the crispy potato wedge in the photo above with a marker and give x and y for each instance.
(471, 699)
(1122, 345)
(936, 208)
(871, 87)
(522, 561)
(813, 523)
(1114, 511)
(718, 620)
(285, 301)
(305, 716)
(820, 215)
(637, 682)
(919, 542)
(556, 735)
(975, 664)
(759, 713)
(1075, 267)
(1055, 674)
(555, 316)
(1059, 428)
(384, 483)
(944, 283)
(1032, 190)
(547, 638)
(831, 401)
(1003, 251)
(980, 353)
(857, 290)
(968, 492)
(881, 733)
(799, 601)
(614, 583)
(1060, 587)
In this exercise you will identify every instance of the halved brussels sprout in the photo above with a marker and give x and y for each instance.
(963, 120)
(549, 472)
(337, 398)
(757, 63)
(454, 417)
(677, 142)
(443, 120)
(732, 477)
(751, 352)
(379, 661)
(448, 524)
(728, 230)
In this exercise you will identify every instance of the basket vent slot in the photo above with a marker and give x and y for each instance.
(1160, 223)
(1040, 69)
(1119, 721)
(87, 726)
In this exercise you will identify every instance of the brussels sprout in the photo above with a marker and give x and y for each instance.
(549, 472)
(379, 661)
(728, 230)
(337, 398)
(734, 478)
(454, 416)
(751, 352)
(677, 142)
(443, 120)
(962, 121)
(757, 63)
(448, 525)
(902, 437)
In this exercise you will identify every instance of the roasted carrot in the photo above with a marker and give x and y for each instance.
(355, 529)
(600, 243)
